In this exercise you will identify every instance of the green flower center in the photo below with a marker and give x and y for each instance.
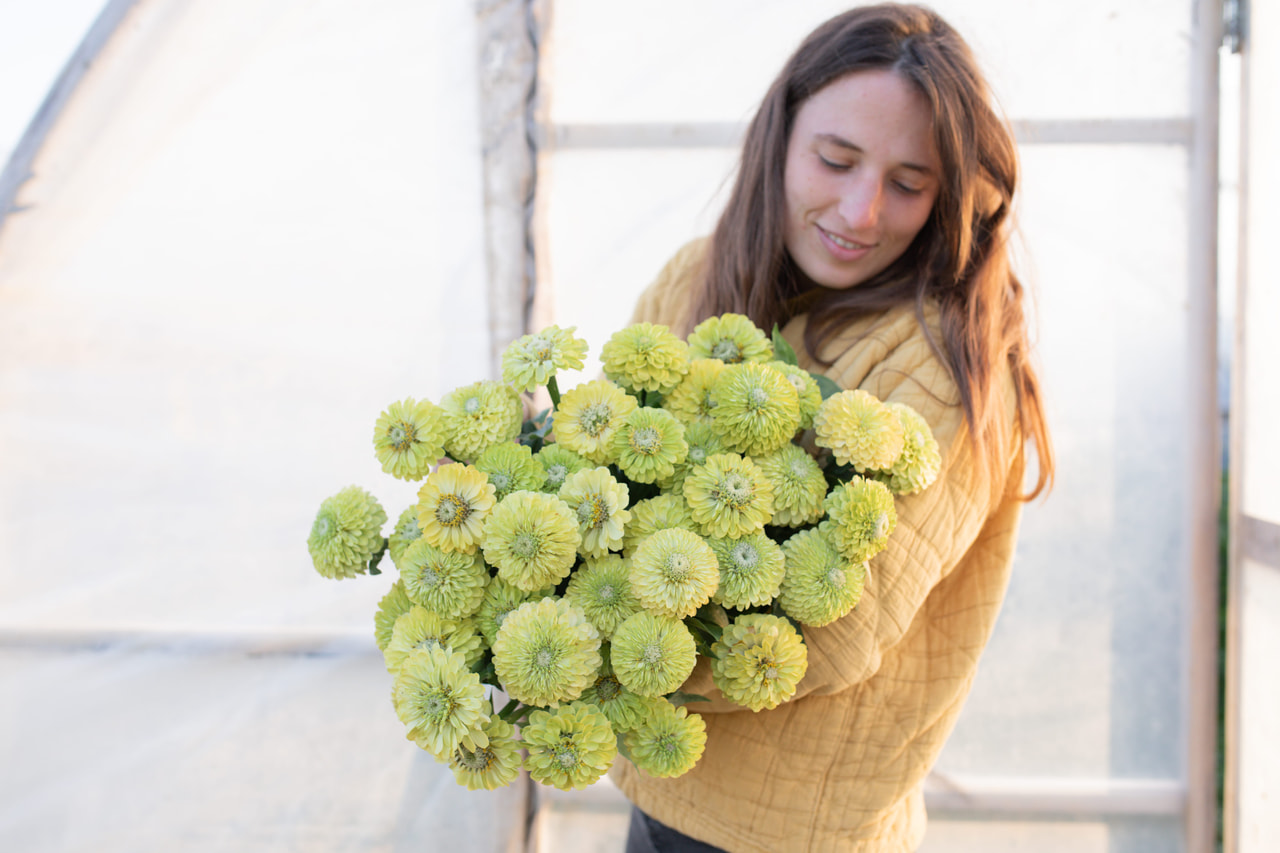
(428, 643)
(771, 672)
(556, 474)
(438, 706)
(544, 658)
(882, 525)
(593, 512)
(410, 531)
(744, 556)
(757, 398)
(501, 481)
(480, 760)
(727, 351)
(472, 406)
(708, 402)
(667, 744)
(734, 491)
(607, 593)
(452, 511)
(429, 577)
(835, 577)
(402, 435)
(322, 527)
(541, 349)
(652, 653)
(697, 455)
(643, 343)
(608, 689)
(566, 756)
(798, 469)
(595, 418)
(525, 546)
(678, 566)
(646, 440)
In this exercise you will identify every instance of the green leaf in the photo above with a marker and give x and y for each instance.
(377, 558)
(782, 350)
(825, 384)
(680, 698)
(622, 747)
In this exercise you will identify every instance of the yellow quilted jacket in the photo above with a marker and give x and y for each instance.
(840, 766)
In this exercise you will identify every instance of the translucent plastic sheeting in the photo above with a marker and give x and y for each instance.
(712, 60)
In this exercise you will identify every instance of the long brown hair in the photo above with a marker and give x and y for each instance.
(959, 260)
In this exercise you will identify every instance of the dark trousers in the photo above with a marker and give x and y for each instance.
(647, 835)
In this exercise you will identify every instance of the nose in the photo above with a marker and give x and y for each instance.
(861, 201)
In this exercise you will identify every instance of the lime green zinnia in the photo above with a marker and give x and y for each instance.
(799, 487)
(668, 742)
(860, 517)
(420, 629)
(729, 496)
(445, 582)
(393, 605)
(558, 463)
(500, 598)
(653, 514)
(347, 533)
(480, 415)
(546, 652)
(757, 409)
(692, 401)
(820, 585)
(570, 747)
(674, 572)
(751, 570)
(759, 661)
(409, 438)
(645, 357)
(453, 504)
(588, 416)
(532, 539)
(487, 768)
(649, 444)
(601, 589)
(511, 468)
(918, 465)
(533, 360)
(860, 430)
(600, 504)
(808, 394)
(652, 655)
(406, 532)
(440, 701)
(732, 338)
(624, 708)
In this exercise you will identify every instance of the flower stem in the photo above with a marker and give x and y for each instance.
(554, 390)
(512, 711)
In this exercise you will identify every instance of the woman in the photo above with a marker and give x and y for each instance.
(869, 220)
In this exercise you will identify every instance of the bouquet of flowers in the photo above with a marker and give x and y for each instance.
(708, 498)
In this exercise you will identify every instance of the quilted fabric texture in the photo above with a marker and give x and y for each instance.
(840, 767)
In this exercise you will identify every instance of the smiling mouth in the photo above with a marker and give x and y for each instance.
(843, 243)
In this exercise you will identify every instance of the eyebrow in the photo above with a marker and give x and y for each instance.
(841, 142)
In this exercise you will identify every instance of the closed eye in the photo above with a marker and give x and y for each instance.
(834, 166)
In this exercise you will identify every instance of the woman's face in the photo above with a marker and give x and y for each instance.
(861, 177)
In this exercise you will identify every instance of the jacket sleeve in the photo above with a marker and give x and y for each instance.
(934, 531)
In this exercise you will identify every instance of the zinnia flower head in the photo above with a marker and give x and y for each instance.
(405, 533)
(820, 585)
(860, 517)
(759, 661)
(532, 360)
(652, 655)
(511, 468)
(757, 409)
(487, 768)
(347, 533)
(452, 506)
(808, 394)
(645, 357)
(601, 589)
(860, 430)
(440, 701)
(674, 572)
(532, 539)
(445, 582)
(732, 338)
(419, 628)
(500, 598)
(588, 416)
(409, 437)
(600, 504)
(479, 415)
(918, 465)
(648, 445)
(653, 514)
(570, 747)
(546, 652)
(393, 605)
(692, 401)
(799, 487)
(558, 463)
(751, 570)
(668, 742)
(624, 708)
(729, 496)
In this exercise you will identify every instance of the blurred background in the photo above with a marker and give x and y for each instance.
(233, 231)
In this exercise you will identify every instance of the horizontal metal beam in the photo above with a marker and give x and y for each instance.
(1054, 797)
(1168, 131)
(191, 639)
